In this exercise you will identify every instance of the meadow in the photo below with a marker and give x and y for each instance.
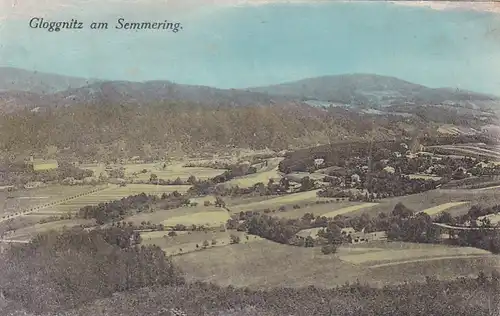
(252, 179)
(390, 255)
(198, 215)
(110, 194)
(189, 241)
(324, 209)
(172, 171)
(264, 264)
(275, 202)
(12, 202)
(455, 201)
(27, 233)
(442, 207)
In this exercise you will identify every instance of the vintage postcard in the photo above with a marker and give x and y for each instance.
(249, 158)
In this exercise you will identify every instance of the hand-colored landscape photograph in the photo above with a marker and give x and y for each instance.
(249, 158)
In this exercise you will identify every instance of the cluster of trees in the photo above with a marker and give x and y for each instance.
(389, 185)
(434, 140)
(59, 270)
(454, 168)
(282, 230)
(379, 186)
(272, 228)
(480, 236)
(18, 173)
(471, 216)
(234, 171)
(410, 227)
(153, 179)
(209, 187)
(337, 154)
(118, 209)
(480, 171)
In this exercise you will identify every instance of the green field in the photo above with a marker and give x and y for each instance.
(25, 199)
(447, 268)
(186, 242)
(442, 207)
(275, 202)
(171, 172)
(264, 264)
(182, 215)
(252, 179)
(27, 233)
(391, 255)
(111, 194)
(209, 219)
(462, 199)
(343, 208)
(349, 209)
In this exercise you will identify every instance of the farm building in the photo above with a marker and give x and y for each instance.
(355, 178)
(42, 165)
(361, 237)
(311, 232)
(7, 188)
(33, 185)
(347, 231)
(389, 169)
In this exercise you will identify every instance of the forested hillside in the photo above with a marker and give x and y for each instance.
(100, 132)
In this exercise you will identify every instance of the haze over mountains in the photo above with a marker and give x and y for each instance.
(21, 88)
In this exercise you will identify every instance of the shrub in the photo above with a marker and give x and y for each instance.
(328, 249)
(234, 239)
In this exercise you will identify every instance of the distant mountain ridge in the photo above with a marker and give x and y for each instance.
(21, 88)
(370, 90)
(15, 79)
(149, 92)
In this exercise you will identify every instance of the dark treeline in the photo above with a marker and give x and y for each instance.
(63, 270)
(117, 210)
(454, 139)
(214, 186)
(19, 173)
(381, 185)
(462, 297)
(336, 154)
(388, 185)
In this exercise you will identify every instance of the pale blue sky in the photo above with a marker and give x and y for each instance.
(241, 46)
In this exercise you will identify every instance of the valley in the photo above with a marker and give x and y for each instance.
(274, 195)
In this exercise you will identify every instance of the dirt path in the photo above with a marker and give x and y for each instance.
(44, 206)
(427, 259)
(14, 241)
